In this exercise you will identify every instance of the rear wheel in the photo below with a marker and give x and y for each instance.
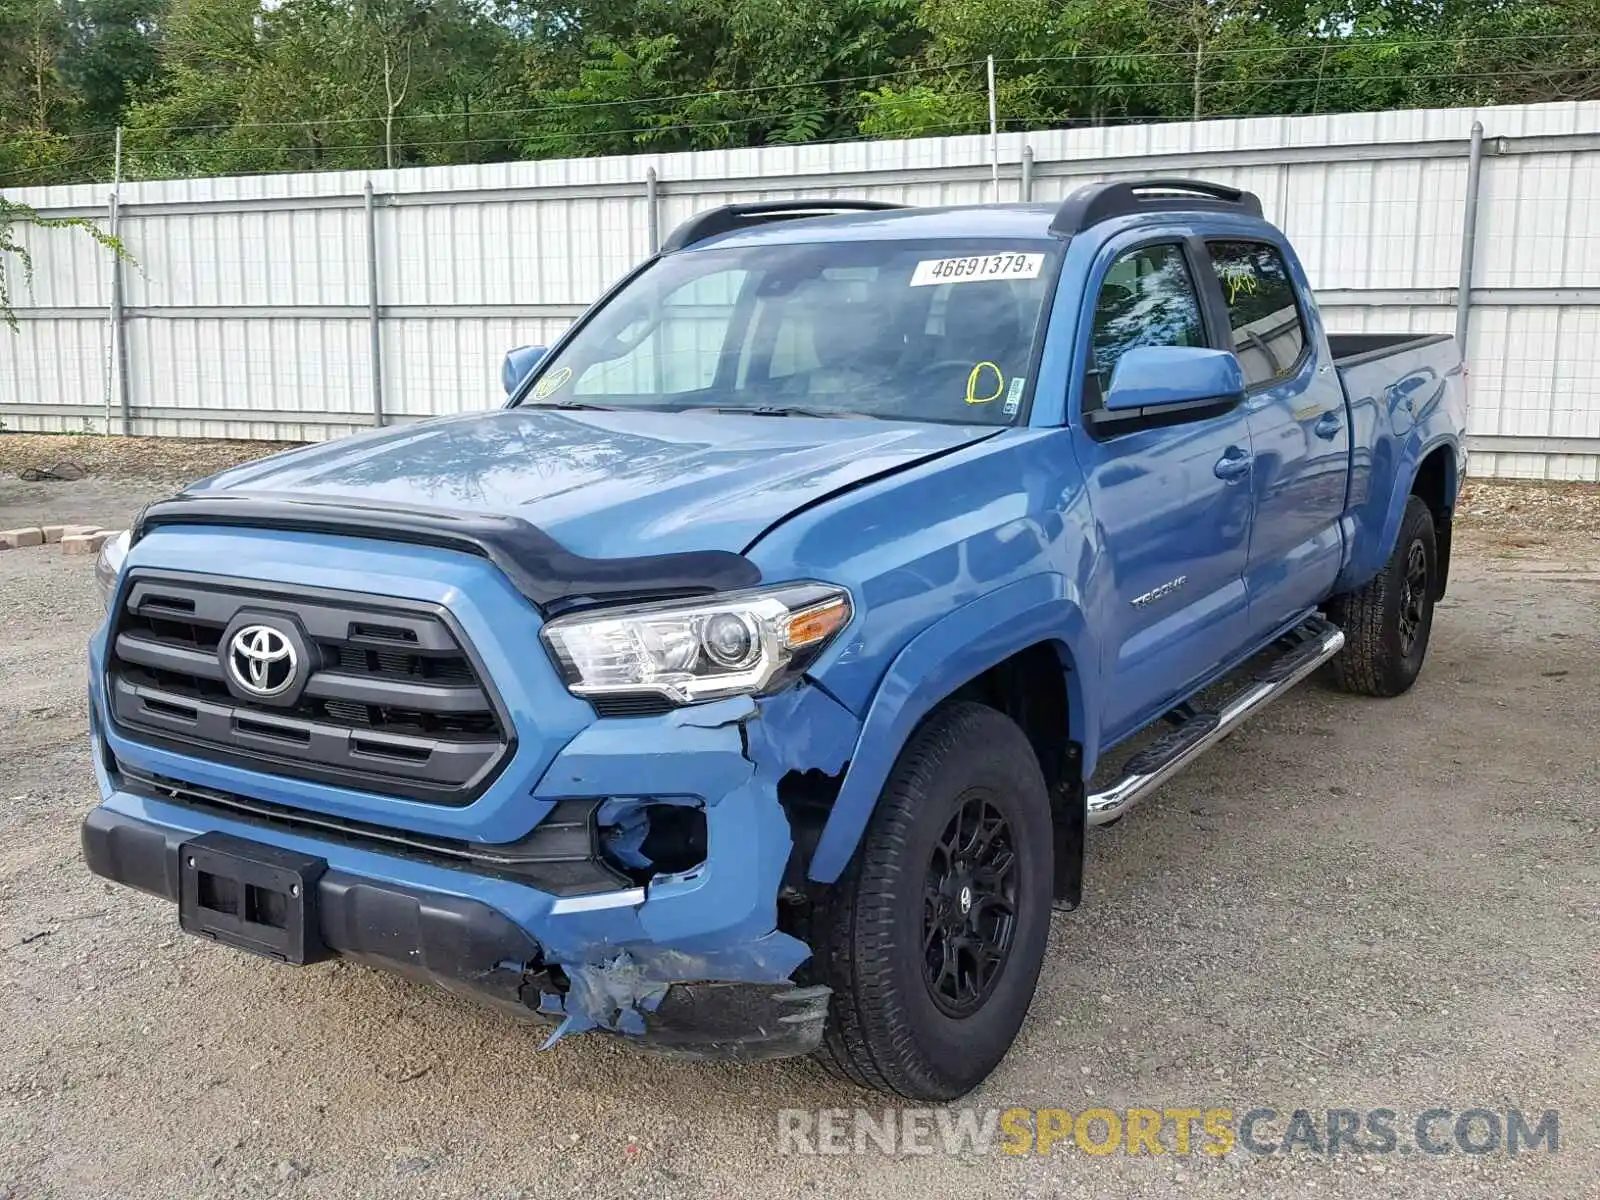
(933, 940)
(1388, 622)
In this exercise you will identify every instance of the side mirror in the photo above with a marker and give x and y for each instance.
(518, 364)
(1161, 376)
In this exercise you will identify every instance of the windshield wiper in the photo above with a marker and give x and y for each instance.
(795, 410)
(760, 410)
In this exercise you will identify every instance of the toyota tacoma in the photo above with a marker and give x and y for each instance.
(743, 684)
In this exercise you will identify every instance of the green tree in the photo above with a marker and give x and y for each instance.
(665, 75)
(208, 87)
(112, 49)
(325, 84)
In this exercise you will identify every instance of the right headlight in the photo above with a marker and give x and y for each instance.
(113, 552)
(738, 643)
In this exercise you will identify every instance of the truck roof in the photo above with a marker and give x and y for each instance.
(786, 222)
(898, 224)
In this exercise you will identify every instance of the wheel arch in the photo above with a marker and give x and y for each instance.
(1018, 631)
(1431, 466)
(1436, 485)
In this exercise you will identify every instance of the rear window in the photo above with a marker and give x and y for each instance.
(1269, 335)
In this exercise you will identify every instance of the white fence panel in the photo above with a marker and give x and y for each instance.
(249, 311)
(53, 359)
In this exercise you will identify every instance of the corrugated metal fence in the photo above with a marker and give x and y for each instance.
(259, 307)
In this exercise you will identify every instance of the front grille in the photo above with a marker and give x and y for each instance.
(390, 700)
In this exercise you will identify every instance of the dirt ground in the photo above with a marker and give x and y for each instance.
(1352, 903)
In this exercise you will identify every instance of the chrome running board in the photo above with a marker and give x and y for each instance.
(1319, 640)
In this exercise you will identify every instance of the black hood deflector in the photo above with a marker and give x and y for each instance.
(549, 575)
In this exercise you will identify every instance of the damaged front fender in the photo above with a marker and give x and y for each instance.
(702, 945)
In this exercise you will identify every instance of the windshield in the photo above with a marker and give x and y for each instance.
(919, 331)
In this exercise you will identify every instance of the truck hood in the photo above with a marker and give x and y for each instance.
(606, 484)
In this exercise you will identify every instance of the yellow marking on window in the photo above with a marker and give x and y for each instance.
(976, 376)
(552, 382)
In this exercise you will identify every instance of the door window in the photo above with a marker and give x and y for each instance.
(1148, 298)
(1263, 316)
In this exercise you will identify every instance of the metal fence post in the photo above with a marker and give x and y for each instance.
(1027, 174)
(374, 330)
(652, 196)
(994, 138)
(1469, 238)
(119, 325)
(119, 340)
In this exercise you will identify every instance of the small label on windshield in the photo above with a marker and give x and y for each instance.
(978, 269)
(1014, 396)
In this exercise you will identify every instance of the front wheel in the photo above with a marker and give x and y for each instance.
(1388, 622)
(935, 936)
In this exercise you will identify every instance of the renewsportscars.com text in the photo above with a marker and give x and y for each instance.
(1179, 1131)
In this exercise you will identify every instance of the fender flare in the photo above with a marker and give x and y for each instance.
(952, 651)
(1404, 478)
(1410, 464)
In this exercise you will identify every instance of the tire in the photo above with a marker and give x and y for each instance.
(1388, 622)
(897, 1023)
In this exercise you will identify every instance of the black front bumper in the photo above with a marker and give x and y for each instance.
(468, 947)
(457, 943)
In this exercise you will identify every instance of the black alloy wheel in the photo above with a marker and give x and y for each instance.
(971, 907)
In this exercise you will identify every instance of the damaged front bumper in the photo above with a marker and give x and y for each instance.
(692, 963)
(467, 946)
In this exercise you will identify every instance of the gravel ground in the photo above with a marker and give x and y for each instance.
(131, 458)
(1352, 904)
(1517, 507)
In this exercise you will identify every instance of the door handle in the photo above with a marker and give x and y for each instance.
(1328, 426)
(1233, 466)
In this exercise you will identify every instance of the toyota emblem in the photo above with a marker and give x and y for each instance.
(262, 661)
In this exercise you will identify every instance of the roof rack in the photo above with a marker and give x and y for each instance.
(1097, 202)
(741, 216)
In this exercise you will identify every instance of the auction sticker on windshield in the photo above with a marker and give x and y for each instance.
(977, 269)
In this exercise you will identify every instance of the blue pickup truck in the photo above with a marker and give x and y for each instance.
(743, 684)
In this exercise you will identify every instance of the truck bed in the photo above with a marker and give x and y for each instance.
(1354, 349)
(1403, 374)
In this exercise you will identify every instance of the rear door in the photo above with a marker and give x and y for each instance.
(1299, 429)
(1170, 495)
